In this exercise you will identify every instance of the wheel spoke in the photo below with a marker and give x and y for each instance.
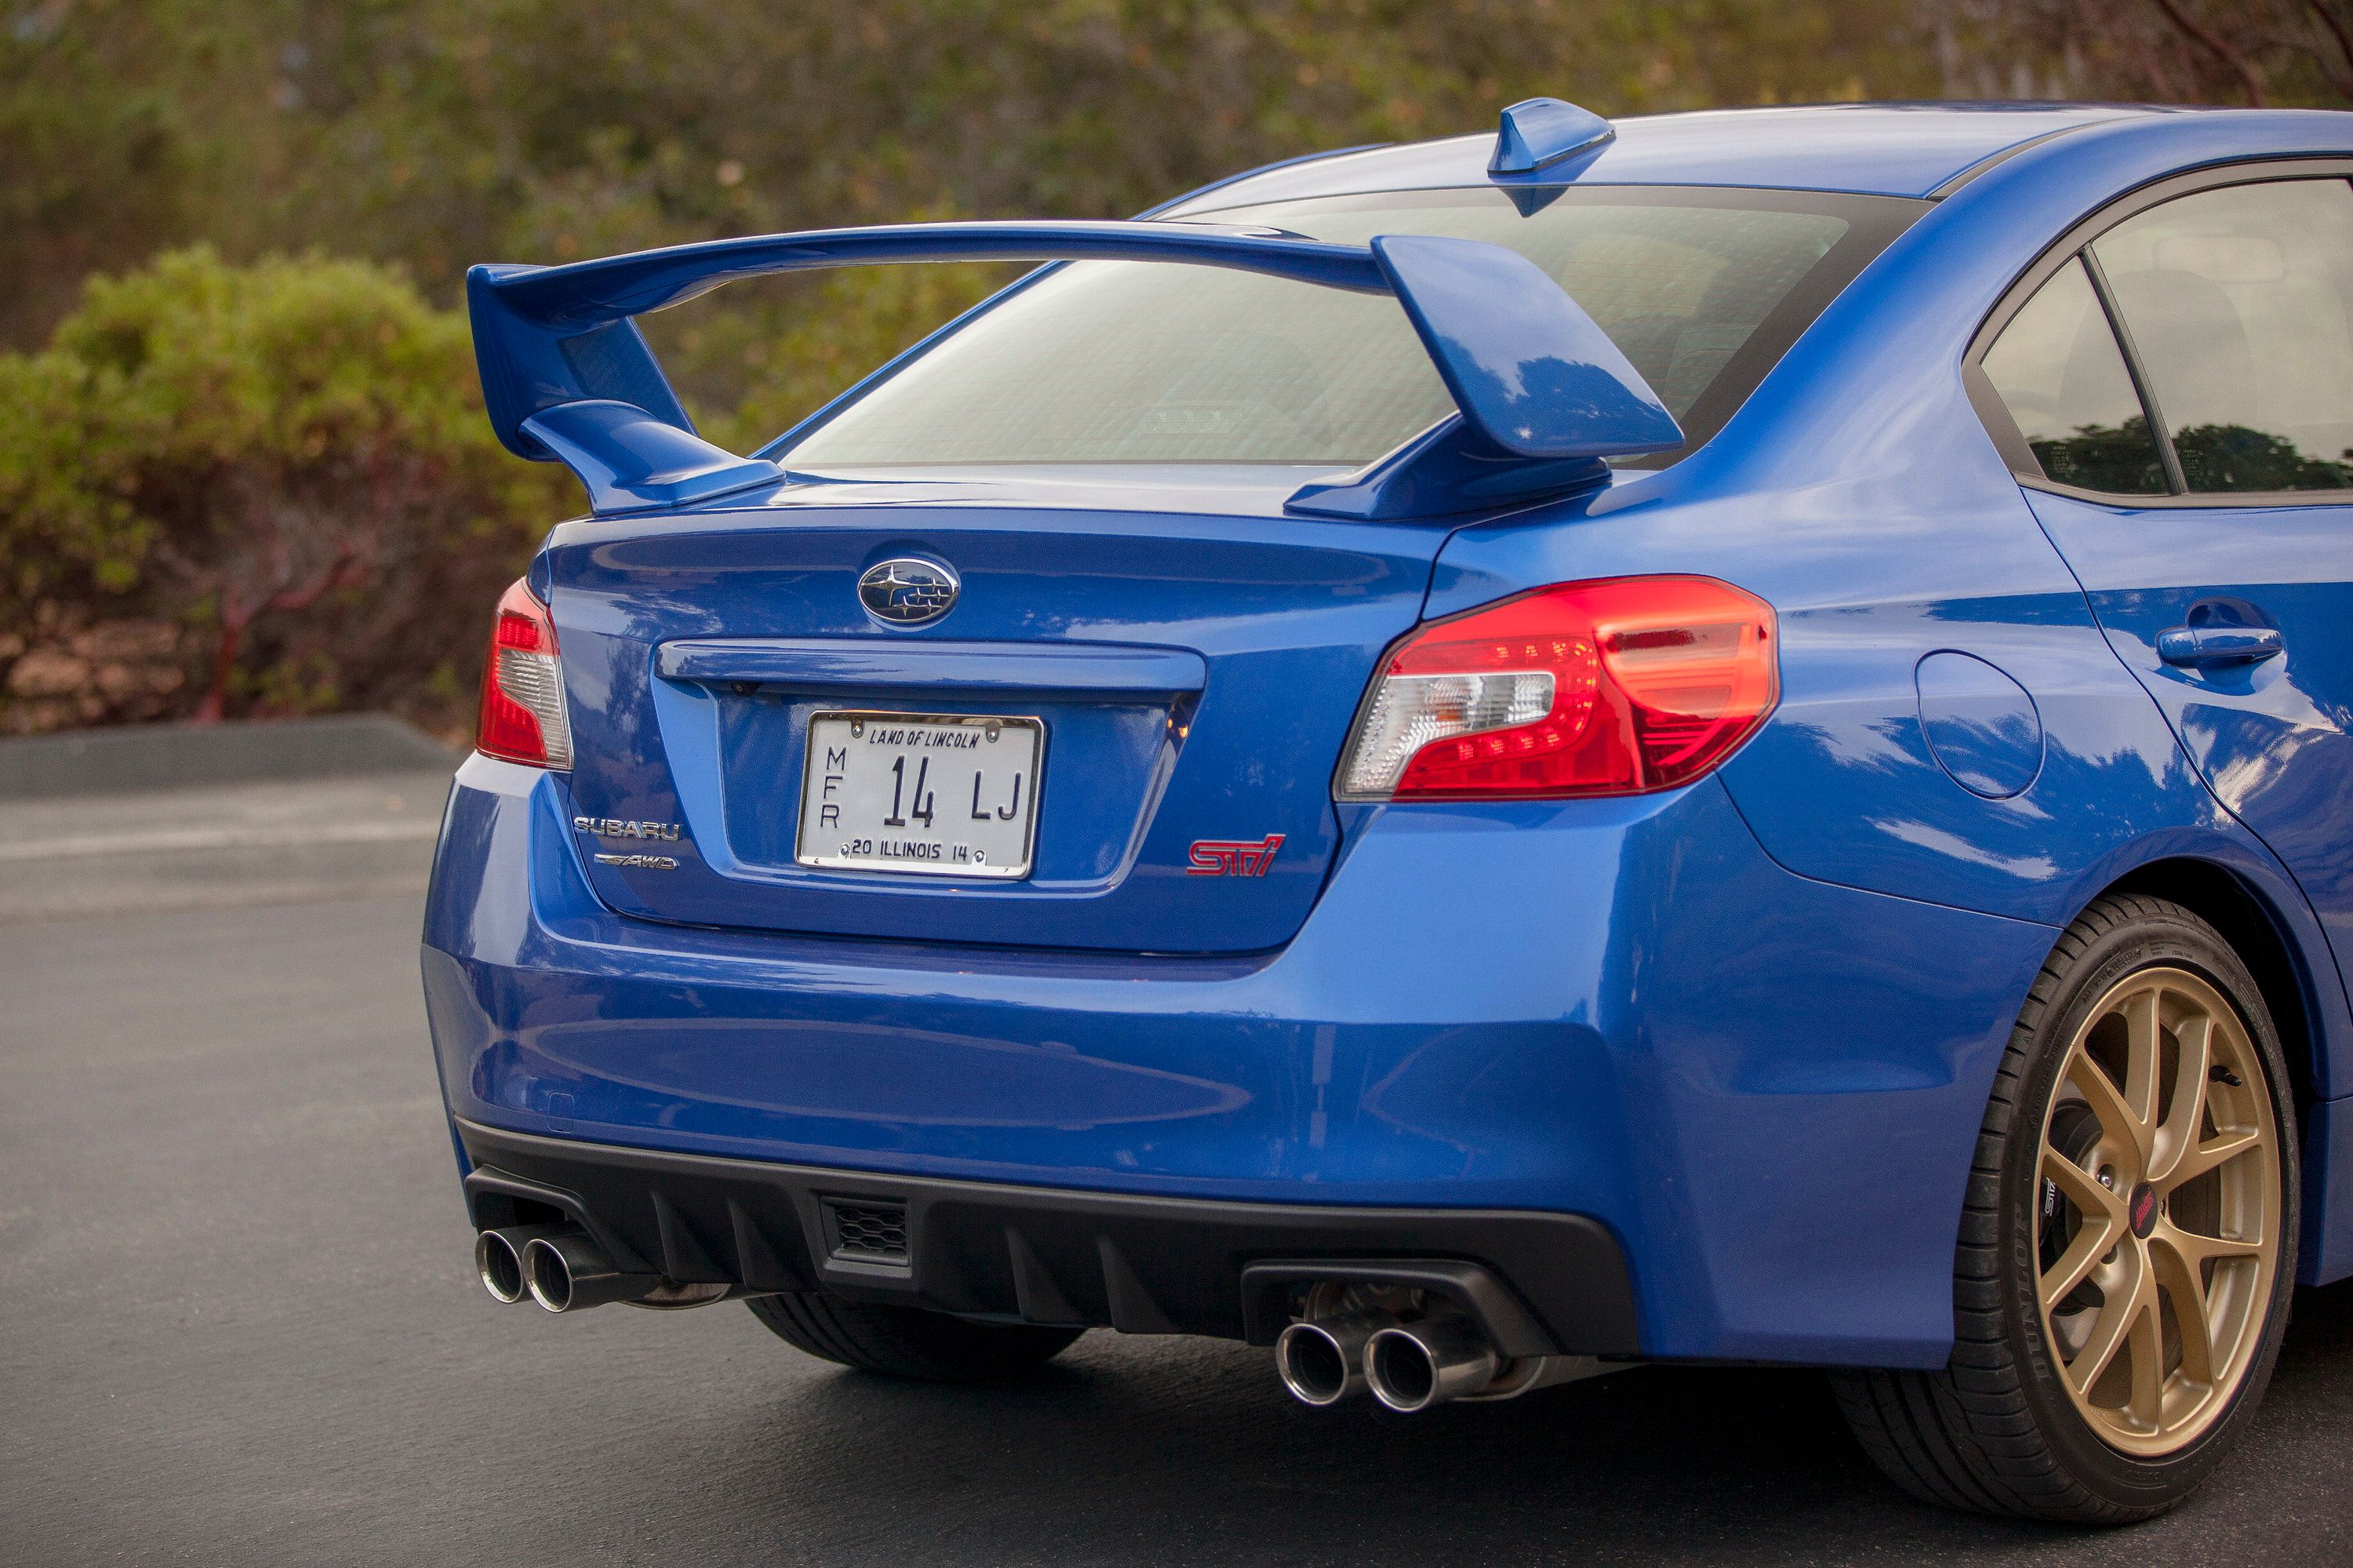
(2108, 1103)
(2196, 1251)
(2148, 1350)
(2109, 1330)
(2179, 1133)
(2075, 1265)
(2185, 1288)
(2218, 1149)
(2143, 1023)
(2093, 1201)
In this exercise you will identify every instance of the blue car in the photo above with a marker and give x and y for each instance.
(1717, 739)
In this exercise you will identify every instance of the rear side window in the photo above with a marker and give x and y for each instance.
(2064, 379)
(2202, 348)
(1124, 362)
(2237, 302)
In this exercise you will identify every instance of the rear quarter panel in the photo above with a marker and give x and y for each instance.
(1858, 491)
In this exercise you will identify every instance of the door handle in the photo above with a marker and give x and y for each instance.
(2201, 647)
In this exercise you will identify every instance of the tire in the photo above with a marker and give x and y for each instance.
(2003, 1428)
(905, 1341)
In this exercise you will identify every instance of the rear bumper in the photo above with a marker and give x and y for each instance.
(1764, 1091)
(1133, 1262)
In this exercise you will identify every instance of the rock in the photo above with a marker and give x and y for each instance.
(120, 681)
(48, 673)
(128, 642)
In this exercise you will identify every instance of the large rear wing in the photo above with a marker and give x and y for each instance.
(1542, 394)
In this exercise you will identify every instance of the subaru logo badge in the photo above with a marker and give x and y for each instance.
(907, 592)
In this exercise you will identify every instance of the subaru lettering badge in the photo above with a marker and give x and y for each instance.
(908, 592)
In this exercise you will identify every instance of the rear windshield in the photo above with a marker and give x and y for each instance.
(1132, 362)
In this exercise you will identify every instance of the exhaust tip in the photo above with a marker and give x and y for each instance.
(499, 1268)
(1401, 1371)
(1417, 1366)
(548, 1274)
(1315, 1366)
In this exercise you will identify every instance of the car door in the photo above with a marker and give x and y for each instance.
(2183, 387)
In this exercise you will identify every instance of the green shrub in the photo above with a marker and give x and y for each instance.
(253, 489)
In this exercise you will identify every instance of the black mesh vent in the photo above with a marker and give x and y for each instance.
(876, 1232)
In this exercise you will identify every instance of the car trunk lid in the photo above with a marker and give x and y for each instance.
(1191, 659)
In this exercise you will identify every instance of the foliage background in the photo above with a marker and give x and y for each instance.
(242, 465)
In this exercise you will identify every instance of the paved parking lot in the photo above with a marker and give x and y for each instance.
(240, 1327)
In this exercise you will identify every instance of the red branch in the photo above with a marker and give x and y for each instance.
(349, 570)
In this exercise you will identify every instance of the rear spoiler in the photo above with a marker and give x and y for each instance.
(1542, 394)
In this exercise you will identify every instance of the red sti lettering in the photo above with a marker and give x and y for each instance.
(1233, 857)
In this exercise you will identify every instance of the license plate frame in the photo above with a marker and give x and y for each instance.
(814, 836)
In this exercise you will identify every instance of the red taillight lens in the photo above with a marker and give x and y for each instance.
(1611, 687)
(522, 717)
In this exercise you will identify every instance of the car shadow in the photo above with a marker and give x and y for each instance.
(1133, 1450)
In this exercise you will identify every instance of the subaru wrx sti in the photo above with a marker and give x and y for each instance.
(1718, 738)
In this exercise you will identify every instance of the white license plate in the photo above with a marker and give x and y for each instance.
(933, 794)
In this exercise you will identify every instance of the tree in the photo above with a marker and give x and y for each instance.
(287, 463)
(2254, 52)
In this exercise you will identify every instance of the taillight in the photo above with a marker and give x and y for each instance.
(522, 717)
(1611, 687)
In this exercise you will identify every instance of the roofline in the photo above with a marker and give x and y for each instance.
(1952, 183)
(1994, 159)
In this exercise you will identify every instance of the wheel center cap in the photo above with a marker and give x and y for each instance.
(2141, 1209)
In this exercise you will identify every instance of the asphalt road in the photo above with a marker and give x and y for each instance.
(238, 1326)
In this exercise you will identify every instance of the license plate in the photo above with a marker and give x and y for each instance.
(930, 794)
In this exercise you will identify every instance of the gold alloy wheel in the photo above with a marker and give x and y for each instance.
(2157, 1226)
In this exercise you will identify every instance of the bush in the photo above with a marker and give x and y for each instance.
(253, 491)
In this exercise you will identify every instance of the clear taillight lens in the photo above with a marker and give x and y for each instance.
(1611, 687)
(523, 717)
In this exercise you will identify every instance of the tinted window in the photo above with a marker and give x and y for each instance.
(2236, 301)
(2060, 372)
(1139, 362)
